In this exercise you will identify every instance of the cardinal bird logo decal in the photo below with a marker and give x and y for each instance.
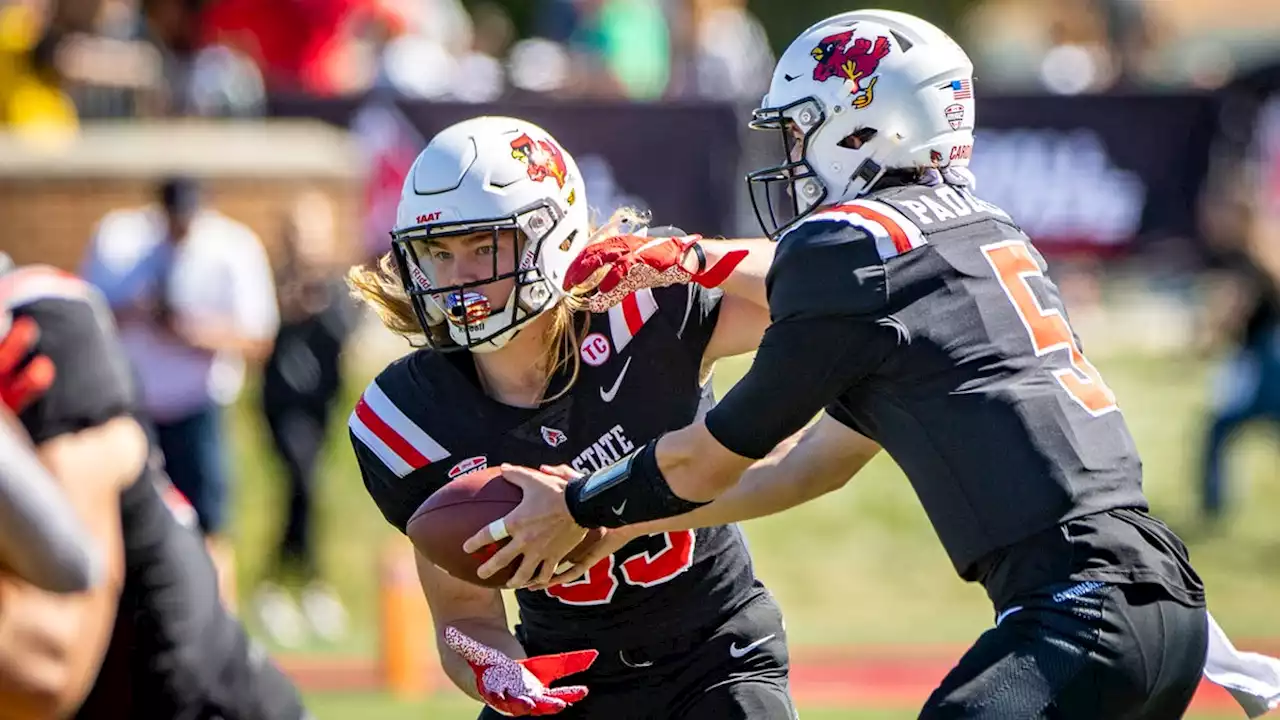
(543, 158)
(855, 60)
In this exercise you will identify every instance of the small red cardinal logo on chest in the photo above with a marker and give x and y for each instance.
(552, 436)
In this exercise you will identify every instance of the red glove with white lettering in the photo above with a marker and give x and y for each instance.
(22, 378)
(519, 687)
(624, 264)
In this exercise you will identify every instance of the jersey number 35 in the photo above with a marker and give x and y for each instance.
(644, 570)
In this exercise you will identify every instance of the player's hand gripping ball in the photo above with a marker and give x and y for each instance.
(520, 687)
(607, 271)
(462, 508)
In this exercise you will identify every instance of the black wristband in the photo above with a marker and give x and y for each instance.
(702, 257)
(630, 491)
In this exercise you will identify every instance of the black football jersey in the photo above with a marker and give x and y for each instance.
(175, 651)
(923, 318)
(94, 382)
(424, 421)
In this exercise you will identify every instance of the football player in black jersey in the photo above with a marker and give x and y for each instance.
(151, 639)
(677, 625)
(914, 316)
(51, 645)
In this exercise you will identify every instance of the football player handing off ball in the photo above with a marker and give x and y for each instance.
(914, 316)
(671, 624)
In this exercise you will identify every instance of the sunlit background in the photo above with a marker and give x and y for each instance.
(1137, 141)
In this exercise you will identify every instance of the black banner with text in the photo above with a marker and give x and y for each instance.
(1093, 174)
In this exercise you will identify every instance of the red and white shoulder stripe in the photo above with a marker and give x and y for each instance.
(893, 232)
(401, 444)
(627, 317)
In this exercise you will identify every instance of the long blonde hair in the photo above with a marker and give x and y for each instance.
(378, 285)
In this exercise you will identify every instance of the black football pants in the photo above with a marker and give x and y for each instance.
(1086, 651)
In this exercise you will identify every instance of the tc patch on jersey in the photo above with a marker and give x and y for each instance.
(595, 349)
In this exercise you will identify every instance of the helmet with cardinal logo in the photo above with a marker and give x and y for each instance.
(854, 96)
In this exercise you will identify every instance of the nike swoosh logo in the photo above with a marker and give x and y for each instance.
(618, 510)
(789, 78)
(737, 652)
(608, 395)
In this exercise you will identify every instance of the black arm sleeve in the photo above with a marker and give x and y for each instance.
(827, 295)
(801, 367)
(94, 381)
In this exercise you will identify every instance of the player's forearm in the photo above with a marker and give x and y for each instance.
(696, 467)
(484, 631)
(51, 646)
(478, 612)
(810, 463)
(764, 489)
(41, 538)
(747, 279)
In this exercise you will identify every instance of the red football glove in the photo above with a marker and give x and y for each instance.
(634, 262)
(21, 383)
(519, 687)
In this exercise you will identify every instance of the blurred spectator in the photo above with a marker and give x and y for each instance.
(733, 60)
(31, 97)
(466, 65)
(480, 68)
(203, 75)
(557, 20)
(1241, 210)
(192, 293)
(307, 46)
(1078, 61)
(538, 65)
(627, 39)
(300, 382)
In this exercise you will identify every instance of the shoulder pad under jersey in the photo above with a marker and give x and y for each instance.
(892, 232)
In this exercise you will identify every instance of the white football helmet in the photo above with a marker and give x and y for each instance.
(854, 96)
(495, 174)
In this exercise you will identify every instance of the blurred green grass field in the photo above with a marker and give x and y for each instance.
(860, 566)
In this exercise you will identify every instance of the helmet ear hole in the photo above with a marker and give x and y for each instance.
(857, 138)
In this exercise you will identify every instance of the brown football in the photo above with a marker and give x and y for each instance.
(459, 510)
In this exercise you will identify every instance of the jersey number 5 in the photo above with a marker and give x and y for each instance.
(1014, 265)
(645, 570)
